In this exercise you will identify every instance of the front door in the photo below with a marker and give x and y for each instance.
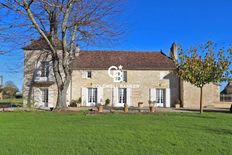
(160, 97)
(92, 97)
(121, 97)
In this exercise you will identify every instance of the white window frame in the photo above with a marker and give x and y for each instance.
(122, 95)
(160, 96)
(92, 96)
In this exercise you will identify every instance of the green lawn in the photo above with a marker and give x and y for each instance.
(76, 133)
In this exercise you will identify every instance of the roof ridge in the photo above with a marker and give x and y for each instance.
(123, 51)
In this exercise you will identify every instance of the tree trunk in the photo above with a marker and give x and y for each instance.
(62, 83)
(61, 99)
(201, 100)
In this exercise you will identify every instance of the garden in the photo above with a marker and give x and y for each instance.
(115, 133)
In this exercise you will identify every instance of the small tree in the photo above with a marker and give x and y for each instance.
(202, 65)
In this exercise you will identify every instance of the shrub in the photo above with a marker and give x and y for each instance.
(79, 100)
(107, 102)
(73, 103)
(9, 92)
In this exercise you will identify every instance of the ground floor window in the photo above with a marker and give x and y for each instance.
(160, 95)
(45, 96)
(92, 95)
(122, 95)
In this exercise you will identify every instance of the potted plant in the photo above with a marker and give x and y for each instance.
(100, 107)
(139, 106)
(79, 102)
(107, 102)
(125, 109)
(151, 106)
(73, 103)
(177, 103)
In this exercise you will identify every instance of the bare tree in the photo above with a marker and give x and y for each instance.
(71, 21)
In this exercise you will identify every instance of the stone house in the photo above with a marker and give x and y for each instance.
(120, 76)
(226, 93)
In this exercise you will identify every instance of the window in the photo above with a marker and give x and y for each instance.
(122, 95)
(160, 95)
(92, 95)
(125, 76)
(45, 97)
(44, 69)
(89, 74)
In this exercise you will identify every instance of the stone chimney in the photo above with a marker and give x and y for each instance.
(77, 51)
(174, 51)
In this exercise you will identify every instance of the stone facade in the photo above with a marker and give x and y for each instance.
(141, 84)
(191, 95)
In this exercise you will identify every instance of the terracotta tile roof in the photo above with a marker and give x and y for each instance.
(42, 44)
(128, 59)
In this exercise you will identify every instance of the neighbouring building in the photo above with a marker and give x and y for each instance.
(143, 76)
(226, 93)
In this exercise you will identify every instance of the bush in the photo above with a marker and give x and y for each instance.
(73, 103)
(9, 92)
(79, 100)
(107, 102)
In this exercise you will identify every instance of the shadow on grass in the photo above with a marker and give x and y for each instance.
(221, 131)
(216, 110)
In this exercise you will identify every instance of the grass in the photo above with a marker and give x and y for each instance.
(76, 133)
(15, 101)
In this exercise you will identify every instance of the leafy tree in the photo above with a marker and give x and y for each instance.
(203, 65)
(9, 89)
(11, 84)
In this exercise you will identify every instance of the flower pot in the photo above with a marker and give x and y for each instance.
(100, 108)
(125, 109)
(152, 109)
(177, 106)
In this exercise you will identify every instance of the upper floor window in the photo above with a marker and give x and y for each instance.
(86, 74)
(125, 76)
(44, 69)
(89, 74)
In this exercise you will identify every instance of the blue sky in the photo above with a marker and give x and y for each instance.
(155, 25)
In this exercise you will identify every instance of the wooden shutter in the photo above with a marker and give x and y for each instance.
(168, 98)
(84, 74)
(115, 96)
(128, 96)
(152, 94)
(100, 95)
(84, 96)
